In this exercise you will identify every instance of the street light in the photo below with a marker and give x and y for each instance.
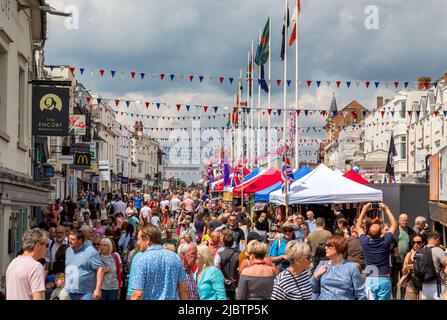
(45, 8)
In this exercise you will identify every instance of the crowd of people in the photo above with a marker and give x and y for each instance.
(185, 245)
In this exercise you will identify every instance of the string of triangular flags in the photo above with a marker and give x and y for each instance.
(231, 80)
(268, 111)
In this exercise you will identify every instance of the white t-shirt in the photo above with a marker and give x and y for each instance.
(164, 203)
(146, 213)
(156, 221)
(24, 277)
(175, 204)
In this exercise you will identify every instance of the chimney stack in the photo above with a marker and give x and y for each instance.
(379, 102)
(423, 83)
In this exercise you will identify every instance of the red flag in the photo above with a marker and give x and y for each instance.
(295, 14)
(72, 69)
(178, 107)
(309, 82)
(338, 83)
(205, 108)
(278, 82)
(132, 74)
(221, 79)
(162, 75)
(88, 100)
(147, 104)
(117, 102)
(367, 83)
(101, 71)
(190, 78)
(269, 111)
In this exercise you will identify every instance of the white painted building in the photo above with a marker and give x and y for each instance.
(22, 38)
(410, 118)
(146, 158)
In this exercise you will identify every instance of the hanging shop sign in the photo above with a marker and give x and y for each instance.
(77, 125)
(50, 111)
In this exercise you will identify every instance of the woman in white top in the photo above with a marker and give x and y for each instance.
(104, 215)
(130, 209)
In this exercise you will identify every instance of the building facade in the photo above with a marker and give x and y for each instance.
(22, 38)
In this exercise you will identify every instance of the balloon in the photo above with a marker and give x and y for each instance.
(356, 169)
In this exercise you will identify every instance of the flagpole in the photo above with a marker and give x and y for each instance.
(241, 143)
(246, 130)
(270, 91)
(286, 29)
(297, 75)
(252, 131)
(258, 143)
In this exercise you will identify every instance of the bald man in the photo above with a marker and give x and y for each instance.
(376, 248)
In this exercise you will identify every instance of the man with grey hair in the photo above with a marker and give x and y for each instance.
(188, 255)
(25, 276)
(88, 234)
(420, 225)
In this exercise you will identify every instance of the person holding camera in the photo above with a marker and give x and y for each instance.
(294, 283)
(277, 251)
(376, 249)
(338, 278)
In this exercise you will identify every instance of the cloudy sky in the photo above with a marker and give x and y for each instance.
(213, 37)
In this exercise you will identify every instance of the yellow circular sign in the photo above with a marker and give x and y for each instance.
(49, 102)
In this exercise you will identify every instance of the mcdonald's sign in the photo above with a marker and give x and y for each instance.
(82, 159)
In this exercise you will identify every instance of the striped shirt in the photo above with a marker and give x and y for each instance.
(192, 285)
(289, 287)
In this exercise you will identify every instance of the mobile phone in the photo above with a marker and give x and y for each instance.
(375, 206)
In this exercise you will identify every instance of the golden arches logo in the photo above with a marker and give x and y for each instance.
(49, 102)
(82, 159)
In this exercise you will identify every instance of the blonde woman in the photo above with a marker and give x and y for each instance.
(294, 283)
(256, 281)
(110, 285)
(210, 280)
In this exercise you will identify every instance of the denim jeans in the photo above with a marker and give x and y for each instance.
(378, 288)
(109, 294)
(81, 296)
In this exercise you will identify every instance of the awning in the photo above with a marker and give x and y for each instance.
(263, 195)
(260, 182)
(354, 176)
(323, 186)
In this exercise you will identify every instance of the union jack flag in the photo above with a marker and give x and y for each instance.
(239, 172)
(210, 173)
(287, 172)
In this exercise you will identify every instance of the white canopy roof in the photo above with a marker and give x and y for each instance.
(323, 185)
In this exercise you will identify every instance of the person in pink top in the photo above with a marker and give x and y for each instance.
(188, 204)
(25, 276)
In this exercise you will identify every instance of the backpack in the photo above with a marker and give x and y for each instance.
(424, 268)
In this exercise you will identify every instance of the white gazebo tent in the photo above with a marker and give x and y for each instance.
(322, 186)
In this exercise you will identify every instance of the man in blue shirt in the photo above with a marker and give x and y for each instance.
(138, 200)
(158, 273)
(376, 248)
(84, 273)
